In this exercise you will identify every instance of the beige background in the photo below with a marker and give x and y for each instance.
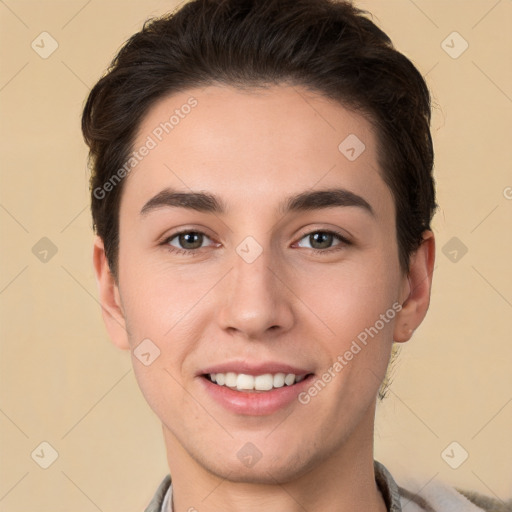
(62, 381)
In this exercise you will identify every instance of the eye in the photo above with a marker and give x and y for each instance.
(187, 241)
(322, 241)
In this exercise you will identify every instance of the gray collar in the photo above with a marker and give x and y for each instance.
(387, 487)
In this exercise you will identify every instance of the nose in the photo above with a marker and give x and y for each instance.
(257, 301)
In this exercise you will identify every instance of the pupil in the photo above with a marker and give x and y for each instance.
(321, 240)
(191, 240)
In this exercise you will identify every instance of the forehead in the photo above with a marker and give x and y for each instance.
(256, 144)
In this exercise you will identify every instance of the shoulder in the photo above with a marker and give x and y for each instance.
(412, 494)
(440, 497)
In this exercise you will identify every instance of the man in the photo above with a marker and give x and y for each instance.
(262, 193)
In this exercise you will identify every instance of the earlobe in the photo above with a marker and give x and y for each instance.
(419, 285)
(109, 297)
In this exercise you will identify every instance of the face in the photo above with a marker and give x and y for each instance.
(259, 279)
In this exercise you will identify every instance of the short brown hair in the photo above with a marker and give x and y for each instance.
(329, 47)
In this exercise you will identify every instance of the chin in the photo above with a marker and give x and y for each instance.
(280, 469)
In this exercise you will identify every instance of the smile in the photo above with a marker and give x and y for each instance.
(256, 392)
(264, 382)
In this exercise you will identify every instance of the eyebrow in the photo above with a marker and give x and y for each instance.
(305, 201)
(199, 201)
(316, 199)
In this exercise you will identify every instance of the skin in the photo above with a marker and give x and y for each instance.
(252, 149)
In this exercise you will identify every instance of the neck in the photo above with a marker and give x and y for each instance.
(343, 482)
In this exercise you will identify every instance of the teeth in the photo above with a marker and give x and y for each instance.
(265, 382)
(244, 382)
(289, 379)
(279, 380)
(231, 379)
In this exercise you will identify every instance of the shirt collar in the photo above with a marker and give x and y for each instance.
(388, 487)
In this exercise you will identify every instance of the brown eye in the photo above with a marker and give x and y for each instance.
(191, 240)
(188, 240)
(319, 240)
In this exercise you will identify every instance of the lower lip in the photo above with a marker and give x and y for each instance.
(255, 403)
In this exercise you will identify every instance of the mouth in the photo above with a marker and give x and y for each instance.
(255, 390)
(255, 383)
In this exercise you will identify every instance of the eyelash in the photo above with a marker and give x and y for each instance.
(344, 242)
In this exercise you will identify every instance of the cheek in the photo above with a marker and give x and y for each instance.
(351, 297)
(158, 297)
(165, 315)
(354, 309)
(162, 318)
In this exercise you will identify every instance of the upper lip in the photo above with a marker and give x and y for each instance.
(251, 368)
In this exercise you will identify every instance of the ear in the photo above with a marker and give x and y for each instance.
(110, 299)
(416, 290)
